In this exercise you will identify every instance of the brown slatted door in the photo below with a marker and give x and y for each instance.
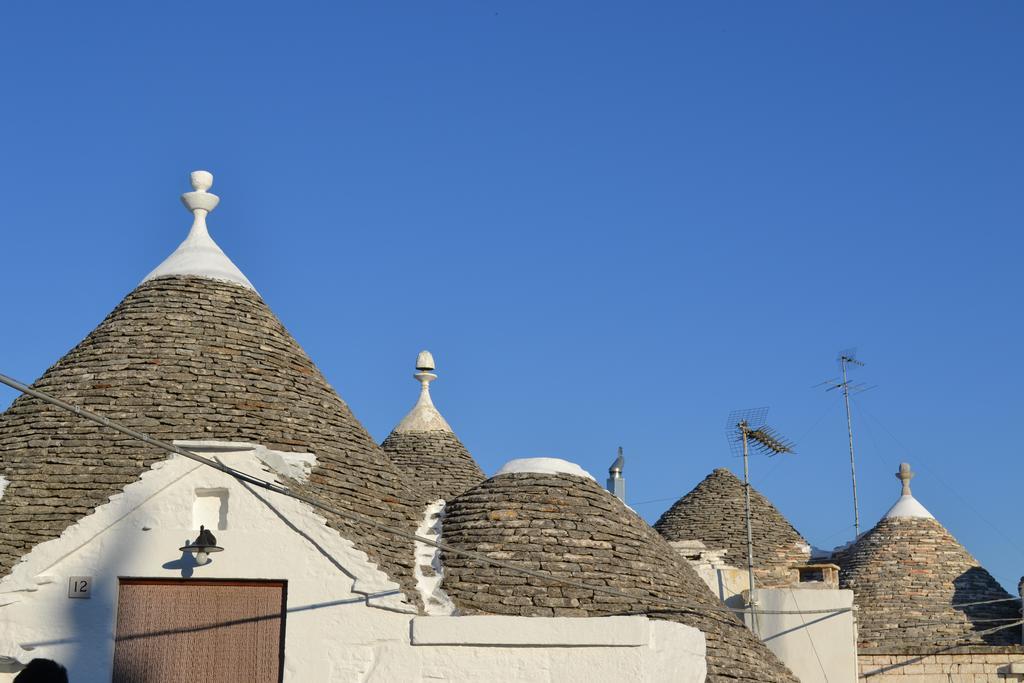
(173, 631)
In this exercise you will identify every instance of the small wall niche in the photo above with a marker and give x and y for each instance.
(210, 509)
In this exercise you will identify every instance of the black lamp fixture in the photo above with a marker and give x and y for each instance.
(204, 544)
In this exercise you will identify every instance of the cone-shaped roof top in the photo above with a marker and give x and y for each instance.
(570, 527)
(713, 512)
(189, 357)
(425, 448)
(911, 581)
(199, 254)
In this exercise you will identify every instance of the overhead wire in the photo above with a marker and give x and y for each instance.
(807, 432)
(770, 470)
(362, 519)
(864, 412)
(401, 533)
(810, 637)
(984, 602)
(655, 500)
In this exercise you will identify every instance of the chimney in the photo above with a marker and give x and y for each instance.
(616, 483)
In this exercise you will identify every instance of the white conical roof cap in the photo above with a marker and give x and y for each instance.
(907, 505)
(424, 417)
(199, 255)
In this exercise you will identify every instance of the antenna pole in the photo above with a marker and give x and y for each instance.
(750, 534)
(849, 430)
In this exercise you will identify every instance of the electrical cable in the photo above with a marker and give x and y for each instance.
(810, 638)
(978, 633)
(656, 500)
(361, 519)
(953, 490)
(771, 470)
(983, 602)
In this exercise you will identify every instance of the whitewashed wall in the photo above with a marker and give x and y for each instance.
(818, 647)
(346, 620)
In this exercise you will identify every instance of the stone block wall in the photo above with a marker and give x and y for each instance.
(939, 668)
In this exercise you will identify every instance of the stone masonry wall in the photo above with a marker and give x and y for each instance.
(938, 668)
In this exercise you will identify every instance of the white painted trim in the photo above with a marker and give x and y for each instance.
(295, 466)
(435, 599)
(544, 466)
(628, 631)
(34, 568)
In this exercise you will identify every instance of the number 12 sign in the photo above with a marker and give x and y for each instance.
(79, 587)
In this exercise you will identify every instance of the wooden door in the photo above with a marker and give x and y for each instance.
(185, 631)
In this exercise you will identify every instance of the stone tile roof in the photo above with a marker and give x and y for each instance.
(188, 357)
(906, 573)
(713, 512)
(436, 460)
(570, 527)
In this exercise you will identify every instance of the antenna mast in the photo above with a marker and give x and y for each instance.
(743, 428)
(847, 358)
(843, 360)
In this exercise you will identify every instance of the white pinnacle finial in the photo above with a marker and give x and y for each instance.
(905, 475)
(424, 417)
(199, 201)
(425, 361)
(424, 364)
(201, 180)
(199, 255)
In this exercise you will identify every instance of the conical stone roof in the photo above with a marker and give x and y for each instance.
(911, 580)
(187, 357)
(568, 526)
(713, 512)
(424, 447)
(190, 357)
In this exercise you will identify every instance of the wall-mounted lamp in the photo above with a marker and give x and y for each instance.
(204, 544)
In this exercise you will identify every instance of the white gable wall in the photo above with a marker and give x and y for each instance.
(346, 620)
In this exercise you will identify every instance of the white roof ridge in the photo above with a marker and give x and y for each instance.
(199, 255)
(424, 417)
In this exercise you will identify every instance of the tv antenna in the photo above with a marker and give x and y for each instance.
(743, 429)
(846, 359)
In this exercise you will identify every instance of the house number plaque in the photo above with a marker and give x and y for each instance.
(80, 587)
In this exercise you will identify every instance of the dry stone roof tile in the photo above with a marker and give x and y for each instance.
(188, 357)
(570, 527)
(436, 460)
(714, 513)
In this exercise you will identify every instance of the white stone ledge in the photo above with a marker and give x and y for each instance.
(500, 631)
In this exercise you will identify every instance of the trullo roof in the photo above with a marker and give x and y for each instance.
(914, 585)
(713, 512)
(190, 354)
(424, 447)
(566, 525)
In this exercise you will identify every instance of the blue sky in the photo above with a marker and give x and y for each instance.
(612, 223)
